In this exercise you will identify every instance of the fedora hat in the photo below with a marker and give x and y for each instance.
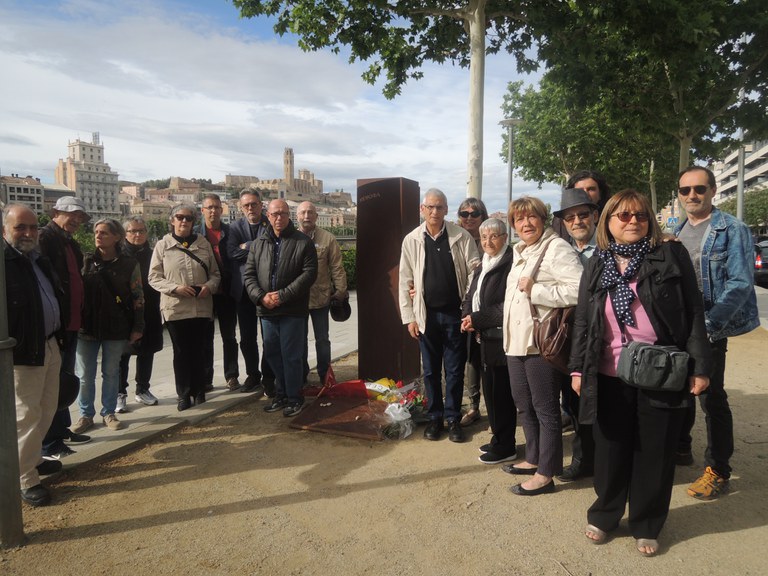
(340, 309)
(574, 197)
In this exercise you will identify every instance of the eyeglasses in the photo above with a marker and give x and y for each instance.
(279, 214)
(436, 208)
(141, 231)
(700, 189)
(212, 207)
(580, 215)
(627, 216)
(473, 214)
(184, 217)
(492, 237)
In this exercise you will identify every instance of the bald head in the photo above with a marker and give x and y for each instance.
(20, 227)
(306, 214)
(279, 215)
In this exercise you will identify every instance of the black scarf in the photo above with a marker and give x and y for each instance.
(186, 241)
(618, 284)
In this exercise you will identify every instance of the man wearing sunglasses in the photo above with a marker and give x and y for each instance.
(579, 215)
(720, 247)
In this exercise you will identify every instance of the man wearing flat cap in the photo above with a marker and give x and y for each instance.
(58, 245)
(579, 215)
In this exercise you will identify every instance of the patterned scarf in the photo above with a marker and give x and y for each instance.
(618, 284)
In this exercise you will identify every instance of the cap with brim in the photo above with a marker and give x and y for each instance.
(71, 204)
(574, 197)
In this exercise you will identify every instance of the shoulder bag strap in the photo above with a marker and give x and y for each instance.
(534, 313)
(197, 259)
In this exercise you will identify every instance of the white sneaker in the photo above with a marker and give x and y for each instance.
(122, 399)
(146, 398)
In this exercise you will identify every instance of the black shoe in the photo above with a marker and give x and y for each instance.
(276, 405)
(493, 458)
(184, 404)
(433, 430)
(77, 439)
(36, 496)
(47, 467)
(486, 448)
(209, 387)
(292, 409)
(199, 399)
(455, 433)
(548, 488)
(512, 469)
(269, 388)
(252, 385)
(574, 472)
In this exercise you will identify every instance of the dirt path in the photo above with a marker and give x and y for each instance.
(246, 494)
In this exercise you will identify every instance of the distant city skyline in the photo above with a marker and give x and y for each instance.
(187, 88)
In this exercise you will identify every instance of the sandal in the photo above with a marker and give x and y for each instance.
(651, 543)
(600, 535)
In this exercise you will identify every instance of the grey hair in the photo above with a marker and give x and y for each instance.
(191, 208)
(114, 227)
(474, 204)
(435, 192)
(493, 225)
(131, 219)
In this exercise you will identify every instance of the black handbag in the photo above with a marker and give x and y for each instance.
(652, 366)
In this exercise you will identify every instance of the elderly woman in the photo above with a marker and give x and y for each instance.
(113, 314)
(472, 213)
(184, 270)
(482, 317)
(535, 383)
(137, 246)
(635, 288)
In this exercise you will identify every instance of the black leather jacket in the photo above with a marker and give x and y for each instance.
(53, 245)
(667, 289)
(292, 277)
(25, 308)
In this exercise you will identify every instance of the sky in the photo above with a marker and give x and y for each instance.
(188, 88)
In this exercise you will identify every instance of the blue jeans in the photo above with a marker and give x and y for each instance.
(284, 339)
(85, 368)
(322, 342)
(443, 344)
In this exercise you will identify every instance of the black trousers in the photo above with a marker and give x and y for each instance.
(144, 363)
(191, 338)
(635, 446)
(583, 443)
(225, 310)
(249, 342)
(502, 413)
(58, 431)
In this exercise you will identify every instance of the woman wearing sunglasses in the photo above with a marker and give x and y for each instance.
(184, 270)
(472, 212)
(635, 287)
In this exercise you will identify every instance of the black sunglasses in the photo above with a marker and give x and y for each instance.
(184, 217)
(473, 214)
(627, 216)
(700, 189)
(581, 215)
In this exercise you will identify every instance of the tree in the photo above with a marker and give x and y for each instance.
(566, 130)
(157, 229)
(398, 37)
(755, 208)
(695, 70)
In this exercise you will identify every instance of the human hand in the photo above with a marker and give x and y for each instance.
(576, 384)
(413, 330)
(135, 337)
(525, 284)
(698, 384)
(466, 324)
(204, 291)
(185, 292)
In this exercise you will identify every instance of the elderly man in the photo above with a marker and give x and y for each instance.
(579, 215)
(720, 247)
(436, 262)
(224, 305)
(281, 268)
(242, 234)
(34, 318)
(58, 245)
(331, 284)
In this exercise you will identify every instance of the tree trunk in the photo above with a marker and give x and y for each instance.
(652, 187)
(476, 21)
(685, 151)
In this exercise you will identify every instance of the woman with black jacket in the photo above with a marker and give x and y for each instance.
(482, 317)
(635, 287)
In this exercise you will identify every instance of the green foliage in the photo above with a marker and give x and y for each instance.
(396, 38)
(83, 236)
(755, 209)
(157, 229)
(159, 184)
(349, 258)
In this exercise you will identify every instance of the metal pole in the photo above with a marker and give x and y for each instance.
(740, 184)
(11, 522)
(510, 161)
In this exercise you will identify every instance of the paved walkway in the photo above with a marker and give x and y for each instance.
(143, 423)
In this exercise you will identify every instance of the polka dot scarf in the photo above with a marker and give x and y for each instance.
(618, 284)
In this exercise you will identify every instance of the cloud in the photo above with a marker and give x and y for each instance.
(174, 90)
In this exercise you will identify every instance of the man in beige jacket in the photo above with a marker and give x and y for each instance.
(331, 284)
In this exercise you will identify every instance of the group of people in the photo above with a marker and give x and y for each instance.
(607, 257)
(66, 309)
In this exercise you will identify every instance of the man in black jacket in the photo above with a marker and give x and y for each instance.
(34, 318)
(281, 268)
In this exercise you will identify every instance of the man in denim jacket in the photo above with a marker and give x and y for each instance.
(720, 247)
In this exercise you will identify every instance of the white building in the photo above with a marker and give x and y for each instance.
(755, 170)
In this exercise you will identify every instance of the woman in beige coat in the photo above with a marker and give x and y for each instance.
(184, 270)
(536, 383)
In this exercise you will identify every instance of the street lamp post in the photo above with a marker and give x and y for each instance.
(510, 124)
